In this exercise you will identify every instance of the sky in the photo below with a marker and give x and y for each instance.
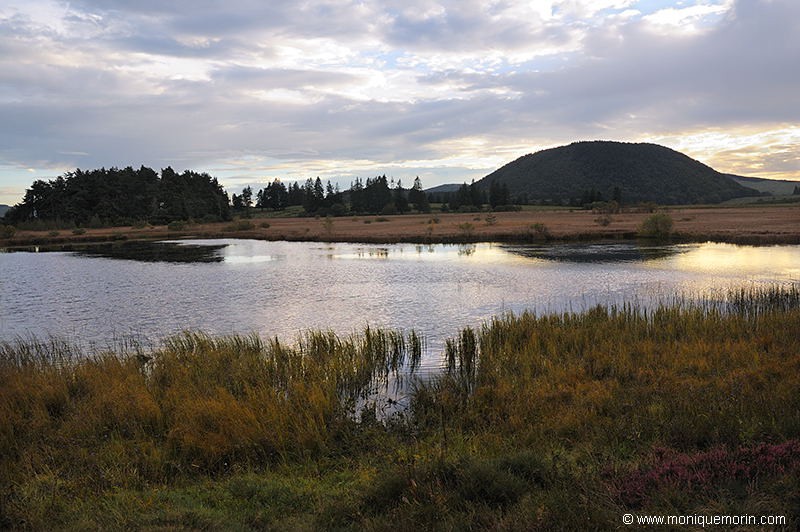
(251, 90)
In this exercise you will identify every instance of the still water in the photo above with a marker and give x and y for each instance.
(97, 296)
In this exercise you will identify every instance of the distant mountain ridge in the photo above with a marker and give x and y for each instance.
(635, 171)
(777, 187)
(443, 189)
(3, 209)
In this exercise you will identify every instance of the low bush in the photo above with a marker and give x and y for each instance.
(466, 229)
(539, 231)
(242, 225)
(657, 225)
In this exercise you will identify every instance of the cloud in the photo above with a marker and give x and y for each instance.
(346, 86)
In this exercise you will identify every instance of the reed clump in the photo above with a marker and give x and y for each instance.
(713, 383)
(633, 377)
(197, 406)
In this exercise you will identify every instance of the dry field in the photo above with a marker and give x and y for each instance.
(751, 224)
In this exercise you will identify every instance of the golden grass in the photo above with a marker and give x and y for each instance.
(685, 378)
(751, 224)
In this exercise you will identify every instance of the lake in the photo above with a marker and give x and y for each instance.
(98, 295)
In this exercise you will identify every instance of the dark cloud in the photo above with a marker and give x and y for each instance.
(466, 26)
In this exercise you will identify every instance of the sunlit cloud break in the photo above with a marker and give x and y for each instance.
(341, 88)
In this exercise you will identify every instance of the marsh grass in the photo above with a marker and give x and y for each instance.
(560, 421)
(198, 405)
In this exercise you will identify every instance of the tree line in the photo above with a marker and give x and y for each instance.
(473, 197)
(377, 195)
(122, 196)
(117, 196)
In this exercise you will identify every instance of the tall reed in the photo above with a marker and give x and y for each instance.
(196, 405)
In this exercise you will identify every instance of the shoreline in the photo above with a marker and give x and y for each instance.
(766, 225)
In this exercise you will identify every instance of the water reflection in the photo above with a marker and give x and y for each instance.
(727, 259)
(596, 252)
(177, 252)
(467, 250)
(280, 288)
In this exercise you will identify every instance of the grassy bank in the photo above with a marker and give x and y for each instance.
(539, 422)
(774, 224)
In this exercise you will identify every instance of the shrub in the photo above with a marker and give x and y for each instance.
(656, 226)
(697, 471)
(338, 209)
(507, 208)
(7, 231)
(604, 220)
(264, 225)
(177, 225)
(605, 207)
(78, 231)
(242, 225)
(539, 231)
(53, 233)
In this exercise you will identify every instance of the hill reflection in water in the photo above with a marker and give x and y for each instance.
(596, 252)
(152, 251)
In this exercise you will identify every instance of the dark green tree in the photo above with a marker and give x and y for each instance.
(247, 196)
(296, 194)
(357, 197)
(400, 198)
(498, 194)
(418, 198)
(475, 195)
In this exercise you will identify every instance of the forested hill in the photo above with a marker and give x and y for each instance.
(613, 170)
(115, 196)
(3, 209)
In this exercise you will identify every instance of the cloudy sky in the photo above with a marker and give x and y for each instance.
(250, 90)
